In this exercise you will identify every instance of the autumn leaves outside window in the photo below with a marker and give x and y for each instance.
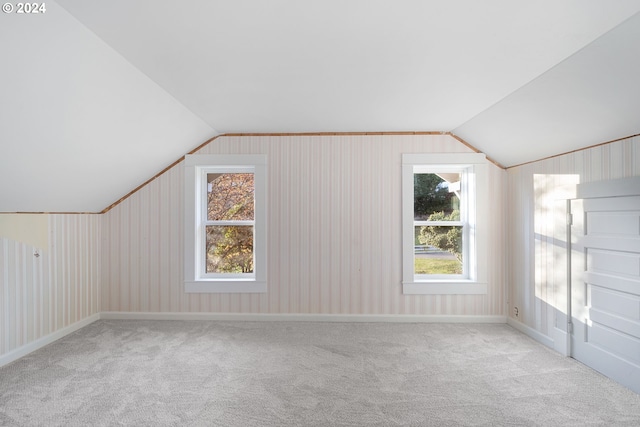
(229, 225)
(225, 223)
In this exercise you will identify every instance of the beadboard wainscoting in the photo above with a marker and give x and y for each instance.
(536, 230)
(47, 292)
(334, 233)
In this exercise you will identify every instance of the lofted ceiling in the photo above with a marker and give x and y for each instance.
(97, 97)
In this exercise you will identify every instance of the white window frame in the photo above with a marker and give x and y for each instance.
(473, 210)
(196, 279)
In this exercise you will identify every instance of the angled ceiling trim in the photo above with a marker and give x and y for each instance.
(462, 141)
(135, 190)
(574, 151)
(457, 138)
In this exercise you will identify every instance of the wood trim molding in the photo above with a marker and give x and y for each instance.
(574, 151)
(337, 133)
(390, 133)
(135, 190)
(466, 144)
(116, 203)
(51, 213)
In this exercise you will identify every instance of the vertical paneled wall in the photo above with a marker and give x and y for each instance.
(334, 233)
(536, 267)
(42, 294)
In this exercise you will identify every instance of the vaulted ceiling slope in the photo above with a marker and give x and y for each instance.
(99, 96)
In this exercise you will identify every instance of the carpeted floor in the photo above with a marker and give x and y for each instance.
(200, 373)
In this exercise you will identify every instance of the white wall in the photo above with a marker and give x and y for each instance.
(334, 233)
(536, 261)
(74, 108)
(40, 296)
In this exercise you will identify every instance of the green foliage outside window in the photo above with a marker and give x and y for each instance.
(447, 238)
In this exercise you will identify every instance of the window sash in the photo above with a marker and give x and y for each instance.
(204, 202)
(203, 253)
(465, 255)
(436, 223)
(474, 186)
(196, 279)
(239, 222)
(463, 222)
(204, 184)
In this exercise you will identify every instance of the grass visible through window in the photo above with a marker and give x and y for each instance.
(437, 266)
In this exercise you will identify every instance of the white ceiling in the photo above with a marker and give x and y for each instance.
(129, 87)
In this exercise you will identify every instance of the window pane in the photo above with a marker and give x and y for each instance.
(436, 197)
(229, 249)
(230, 196)
(438, 250)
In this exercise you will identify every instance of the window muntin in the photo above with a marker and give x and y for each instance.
(444, 202)
(225, 223)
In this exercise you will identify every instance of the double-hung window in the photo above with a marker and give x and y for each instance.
(444, 223)
(225, 223)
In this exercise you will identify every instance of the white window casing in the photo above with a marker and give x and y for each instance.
(474, 215)
(196, 279)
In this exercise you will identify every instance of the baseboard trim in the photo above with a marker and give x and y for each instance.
(529, 331)
(261, 317)
(22, 351)
(561, 342)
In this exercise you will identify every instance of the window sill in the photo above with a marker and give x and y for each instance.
(444, 287)
(216, 286)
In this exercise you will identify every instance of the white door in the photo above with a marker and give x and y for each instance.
(605, 286)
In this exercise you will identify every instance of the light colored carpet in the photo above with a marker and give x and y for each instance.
(201, 373)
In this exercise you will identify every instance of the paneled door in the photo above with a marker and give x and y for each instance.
(605, 285)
